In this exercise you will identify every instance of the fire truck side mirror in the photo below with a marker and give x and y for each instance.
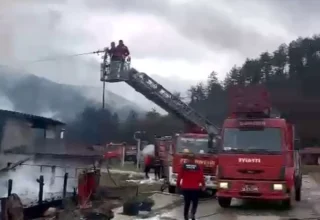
(210, 141)
(210, 144)
(297, 144)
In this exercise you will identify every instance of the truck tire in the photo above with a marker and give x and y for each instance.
(298, 189)
(298, 194)
(286, 204)
(224, 202)
(114, 161)
(289, 203)
(172, 189)
(213, 192)
(131, 158)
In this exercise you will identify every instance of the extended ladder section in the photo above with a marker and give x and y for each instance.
(156, 93)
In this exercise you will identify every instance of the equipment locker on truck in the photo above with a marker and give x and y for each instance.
(258, 157)
(198, 128)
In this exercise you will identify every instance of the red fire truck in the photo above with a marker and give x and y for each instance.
(197, 144)
(198, 128)
(114, 152)
(258, 157)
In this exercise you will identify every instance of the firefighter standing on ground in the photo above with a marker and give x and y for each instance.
(157, 166)
(190, 180)
(147, 165)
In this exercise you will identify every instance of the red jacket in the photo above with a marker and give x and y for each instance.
(121, 51)
(147, 160)
(192, 177)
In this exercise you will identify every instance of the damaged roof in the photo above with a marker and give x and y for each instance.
(37, 121)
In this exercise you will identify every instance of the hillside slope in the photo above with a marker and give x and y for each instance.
(36, 95)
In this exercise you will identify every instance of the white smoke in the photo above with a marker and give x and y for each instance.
(5, 103)
(25, 181)
(148, 150)
(48, 114)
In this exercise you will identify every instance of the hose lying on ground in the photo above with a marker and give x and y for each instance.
(109, 173)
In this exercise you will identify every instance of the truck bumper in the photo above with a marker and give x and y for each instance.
(265, 190)
(210, 181)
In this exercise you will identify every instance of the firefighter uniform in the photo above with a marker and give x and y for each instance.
(157, 167)
(147, 165)
(190, 180)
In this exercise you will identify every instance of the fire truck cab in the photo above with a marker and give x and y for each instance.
(114, 152)
(205, 156)
(258, 154)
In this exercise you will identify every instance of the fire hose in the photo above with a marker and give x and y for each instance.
(109, 173)
(112, 179)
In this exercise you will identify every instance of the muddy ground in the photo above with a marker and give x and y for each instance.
(113, 191)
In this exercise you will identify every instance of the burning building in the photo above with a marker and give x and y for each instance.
(25, 133)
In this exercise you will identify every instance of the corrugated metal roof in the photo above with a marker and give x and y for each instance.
(31, 118)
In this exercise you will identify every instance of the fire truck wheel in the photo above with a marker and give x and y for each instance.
(172, 189)
(114, 161)
(213, 192)
(224, 202)
(289, 203)
(298, 194)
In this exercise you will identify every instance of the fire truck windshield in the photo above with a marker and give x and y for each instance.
(266, 140)
(194, 145)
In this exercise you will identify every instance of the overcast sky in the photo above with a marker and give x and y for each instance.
(175, 39)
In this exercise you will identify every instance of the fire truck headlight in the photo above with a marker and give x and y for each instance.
(277, 186)
(223, 185)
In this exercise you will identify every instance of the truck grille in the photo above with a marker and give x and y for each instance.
(208, 171)
(250, 194)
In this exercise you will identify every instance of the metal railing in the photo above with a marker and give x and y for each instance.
(115, 70)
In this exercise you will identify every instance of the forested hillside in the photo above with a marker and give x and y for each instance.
(31, 94)
(290, 72)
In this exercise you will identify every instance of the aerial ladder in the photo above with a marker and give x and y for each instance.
(117, 71)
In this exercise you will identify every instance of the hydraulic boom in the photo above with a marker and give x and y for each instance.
(152, 90)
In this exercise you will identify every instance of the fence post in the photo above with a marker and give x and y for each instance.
(123, 156)
(41, 183)
(4, 214)
(53, 175)
(65, 183)
(9, 187)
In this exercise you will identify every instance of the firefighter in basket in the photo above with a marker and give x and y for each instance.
(190, 181)
(119, 59)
